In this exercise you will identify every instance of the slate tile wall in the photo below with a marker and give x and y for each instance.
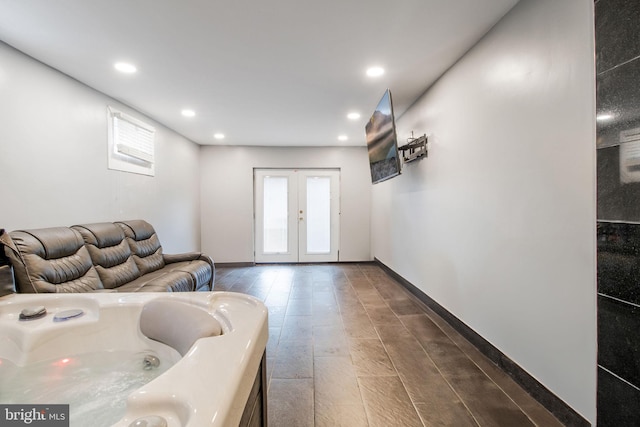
(618, 145)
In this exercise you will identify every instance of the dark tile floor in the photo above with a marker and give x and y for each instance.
(349, 346)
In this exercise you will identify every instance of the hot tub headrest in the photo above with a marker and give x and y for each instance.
(177, 324)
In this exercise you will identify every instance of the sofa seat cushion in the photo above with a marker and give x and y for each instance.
(199, 270)
(163, 280)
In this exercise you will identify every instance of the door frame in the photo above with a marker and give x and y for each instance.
(295, 253)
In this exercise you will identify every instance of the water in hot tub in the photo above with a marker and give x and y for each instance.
(95, 385)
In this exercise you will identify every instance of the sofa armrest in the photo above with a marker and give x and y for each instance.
(192, 256)
(7, 281)
(189, 256)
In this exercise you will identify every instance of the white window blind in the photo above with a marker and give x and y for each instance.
(132, 138)
(131, 144)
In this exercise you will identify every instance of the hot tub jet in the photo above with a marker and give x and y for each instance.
(150, 362)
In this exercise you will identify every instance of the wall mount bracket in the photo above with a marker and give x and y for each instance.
(414, 149)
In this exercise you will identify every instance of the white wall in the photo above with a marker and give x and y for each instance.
(498, 223)
(227, 196)
(53, 160)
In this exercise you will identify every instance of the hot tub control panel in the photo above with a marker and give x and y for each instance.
(68, 314)
(31, 313)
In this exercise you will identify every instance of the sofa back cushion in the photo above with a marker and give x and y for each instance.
(110, 253)
(52, 260)
(144, 244)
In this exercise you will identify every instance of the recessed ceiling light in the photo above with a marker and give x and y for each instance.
(218, 135)
(124, 67)
(342, 137)
(604, 117)
(188, 113)
(353, 116)
(375, 71)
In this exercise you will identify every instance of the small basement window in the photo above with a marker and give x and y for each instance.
(130, 143)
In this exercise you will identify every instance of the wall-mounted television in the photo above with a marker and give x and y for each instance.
(382, 144)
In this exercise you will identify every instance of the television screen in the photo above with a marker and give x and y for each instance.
(382, 145)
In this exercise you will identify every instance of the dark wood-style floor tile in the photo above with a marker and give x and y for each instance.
(444, 413)
(326, 319)
(296, 328)
(326, 298)
(270, 364)
(272, 343)
(301, 292)
(392, 332)
(534, 410)
(387, 403)
(323, 285)
(290, 403)
(276, 298)
(257, 292)
(276, 315)
(420, 376)
(341, 283)
(350, 346)
(299, 307)
(335, 382)
(390, 290)
(294, 360)
(353, 310)
(371, 298)
(404, 306)
(359, 327)
(340, 416)
(370, 358)
(487, 402)
(241, 287)
(383, 316)
(330, 341)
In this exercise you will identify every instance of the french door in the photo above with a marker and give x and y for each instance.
(297, 214)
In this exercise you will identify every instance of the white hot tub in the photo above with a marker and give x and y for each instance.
(106, 366)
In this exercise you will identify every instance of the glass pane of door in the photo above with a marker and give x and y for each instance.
(318, 217)
(275, 214)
